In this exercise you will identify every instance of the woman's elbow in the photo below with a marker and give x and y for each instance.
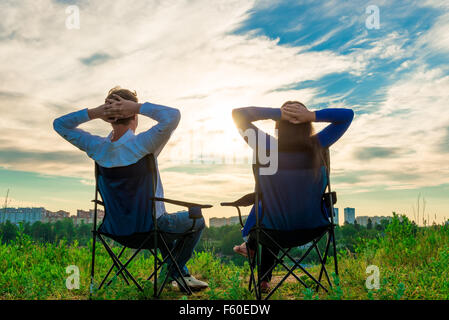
(175, 119)
(237, 114)
(352, 114)
(349, 115)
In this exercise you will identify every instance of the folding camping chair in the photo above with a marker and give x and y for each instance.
(128, 197)
(295, 210)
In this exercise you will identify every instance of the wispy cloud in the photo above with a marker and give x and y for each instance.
(96, 59)
(368, 153)
(444, 144)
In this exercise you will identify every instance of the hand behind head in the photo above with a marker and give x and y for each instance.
(295, 112)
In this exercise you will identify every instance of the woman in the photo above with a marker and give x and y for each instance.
(295, 134)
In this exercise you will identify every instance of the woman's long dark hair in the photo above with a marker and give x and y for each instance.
(300, 138)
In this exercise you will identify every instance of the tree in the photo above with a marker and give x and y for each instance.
(69, 230)
(369, 226)
(8, 231)
(384, 223)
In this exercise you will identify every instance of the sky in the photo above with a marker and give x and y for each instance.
(206, 58)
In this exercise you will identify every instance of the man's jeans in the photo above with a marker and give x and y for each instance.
(179, 222)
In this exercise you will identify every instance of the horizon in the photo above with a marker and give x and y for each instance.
(213, 57)
(415, 219)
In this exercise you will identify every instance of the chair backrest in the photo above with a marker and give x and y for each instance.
(292, 198)
(126, 193)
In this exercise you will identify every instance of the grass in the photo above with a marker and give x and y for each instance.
(413, 264)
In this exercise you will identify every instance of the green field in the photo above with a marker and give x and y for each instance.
(413, 264)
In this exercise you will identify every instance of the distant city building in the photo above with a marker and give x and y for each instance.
(349, 215)
(378, 219)
(217, 222)
(336, 218)
(220, 222)
(234, 220)
(32, 215)
(17, 215)
(51, 217)
(363, 220)
(87, 217)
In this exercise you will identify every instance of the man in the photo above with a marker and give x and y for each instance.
(123, 147)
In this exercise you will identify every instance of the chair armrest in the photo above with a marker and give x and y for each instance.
(244, 201)
(182, 203)
(101, 203)
(327, 198)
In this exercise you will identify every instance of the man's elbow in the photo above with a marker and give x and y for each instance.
(57, 126)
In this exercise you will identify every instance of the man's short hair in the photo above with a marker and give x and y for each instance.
(125, 94)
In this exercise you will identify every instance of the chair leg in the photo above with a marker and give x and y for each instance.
(125, 265)
(251, 267)
(184, 284)
(281, 262)
(297, 263)
(323, 268)
(175, 264)
(123, 271)
(115, 260)
(92, 272)
(308, 274)
(323, 261)
(164, 282)
(334, 245)
(121, 267)
(155, 269)
(160, 264)
(272, 291)
(257, 288)
(277, 261)
(110, 270)
(289, 271)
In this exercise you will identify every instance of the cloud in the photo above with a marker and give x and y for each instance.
(437, 38)
(96, 59)
(444, 145)
(406, 129)
(20, 155)
(70, 163)
(368, 153)
(372, 178)
(10, 94)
